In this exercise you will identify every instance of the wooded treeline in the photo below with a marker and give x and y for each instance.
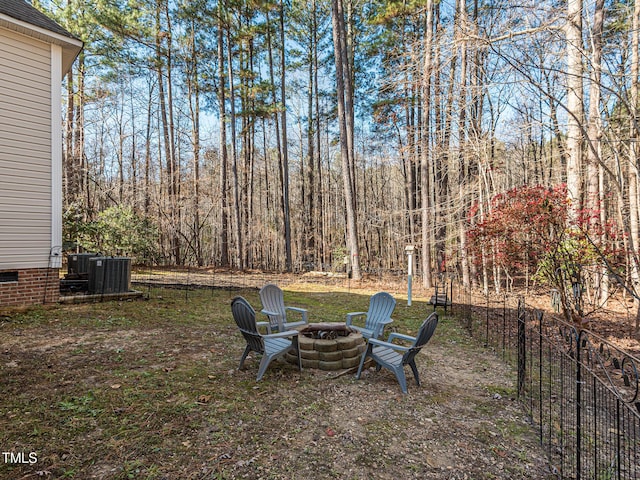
(290, 135)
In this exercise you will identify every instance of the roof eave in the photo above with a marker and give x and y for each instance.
(71, 46)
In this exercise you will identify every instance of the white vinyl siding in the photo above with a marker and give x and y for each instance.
(25, 151)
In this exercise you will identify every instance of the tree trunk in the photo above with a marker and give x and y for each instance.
(309, 227)
(463, 168)
(594, 133)
(425, 190)
(167, 130)
(276, 120)
(173, 160)
(234, 159)
(319, 221)
(285, 149)
(346, 135)
(575, 109)
(224, 229)
(193, 86)
(147, 156)
(634, 156)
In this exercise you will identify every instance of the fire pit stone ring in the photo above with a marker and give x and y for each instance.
(329, 346)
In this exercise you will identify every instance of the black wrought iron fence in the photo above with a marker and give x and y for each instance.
(581, 391)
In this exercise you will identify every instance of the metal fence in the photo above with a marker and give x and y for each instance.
(147, 278)
(580, 391)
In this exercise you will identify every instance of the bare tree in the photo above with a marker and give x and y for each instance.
(575, 105)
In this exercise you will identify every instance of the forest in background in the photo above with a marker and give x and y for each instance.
(300, 135)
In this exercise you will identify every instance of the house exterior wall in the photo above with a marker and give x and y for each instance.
(33, 286)
(27, 217)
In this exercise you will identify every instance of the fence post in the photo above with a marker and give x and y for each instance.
(504, 327)
(469, 310)
(618, 446)
(486, 324)
(522, 348)
(579, 406)
(540, 316)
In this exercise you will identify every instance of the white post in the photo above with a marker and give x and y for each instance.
(409, 251)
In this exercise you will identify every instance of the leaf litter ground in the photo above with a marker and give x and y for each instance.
(150, 389)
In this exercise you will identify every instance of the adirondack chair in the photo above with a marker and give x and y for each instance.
(381, 306)
(386, 354)
(274, 308)
(269, 346)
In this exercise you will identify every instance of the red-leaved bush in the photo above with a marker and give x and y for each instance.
(521, 226)
(527, 228)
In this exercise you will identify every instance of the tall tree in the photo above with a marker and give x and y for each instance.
(634, 158)
(425, 168)
(595, 172)
(285, 150)
(193, 83)
(575, 105)
(235, 176)
(345, 122)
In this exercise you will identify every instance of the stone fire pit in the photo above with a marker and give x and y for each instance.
(329, 346)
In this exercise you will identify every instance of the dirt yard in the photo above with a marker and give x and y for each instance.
(150, 389)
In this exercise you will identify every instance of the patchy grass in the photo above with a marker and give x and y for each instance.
(150, 389)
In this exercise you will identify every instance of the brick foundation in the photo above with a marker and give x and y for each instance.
(34, 286)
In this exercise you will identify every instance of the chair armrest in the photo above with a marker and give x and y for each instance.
(395, 335)
(288, 333)
(297, 309)
(390, 345)
(275, 315)
(301, 311)
(351, 315)
(264, 324)
(379, 330)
